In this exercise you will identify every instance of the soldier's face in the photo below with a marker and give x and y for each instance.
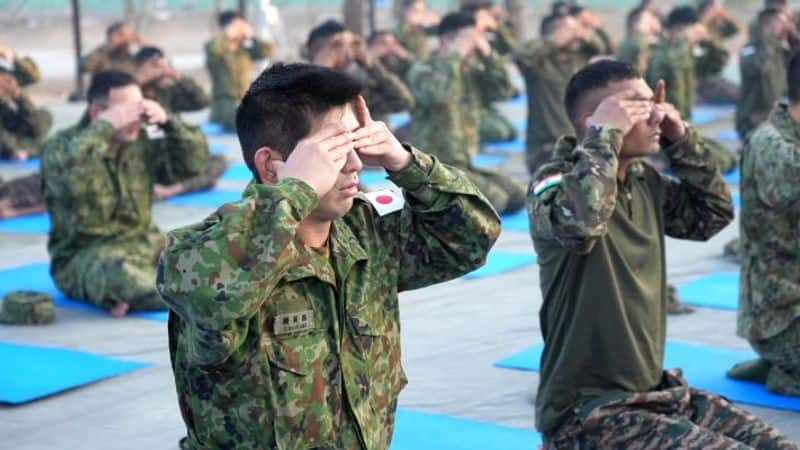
(337, 52)
(126, 94)
(645, 137)
(338, 201)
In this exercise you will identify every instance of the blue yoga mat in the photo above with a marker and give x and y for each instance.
(516, 222)
(728, 135)
(703, 366)
(736, 199)
(217, 148)
(733, 177)
(30, 163)
(515, 146)
(717, 290)
(30, 373)
(37, 277)
(213, 198)
(484, 160)
(521, 99)
(521, 125)
(237, 172)
(398, 120)
(416, 430)
(213, 129)
(34, 223)
(500, 262)
(705, 114)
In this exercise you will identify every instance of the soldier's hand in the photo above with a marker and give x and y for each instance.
(318, 160)
(485, 21)
(153, 112)
(672, 127)
(9, 87)
(621, 111)
(122, 115)
(375, 143)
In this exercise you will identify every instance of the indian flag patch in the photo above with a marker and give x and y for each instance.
(547, 183)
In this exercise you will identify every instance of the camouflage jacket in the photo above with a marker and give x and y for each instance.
(763, 66)
(635, 50)
(449, 92)
(184, 95)
(97, 192)
(769, 298)
(230, 65)
(25, 71)
(103, 58)
(384, 92)
(547, 70)
(503, 40)
(276, 345)
(20, 126)
(414, 39)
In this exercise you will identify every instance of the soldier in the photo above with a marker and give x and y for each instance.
(116, 53)
(415, 29)
(590, 22)
(229, 60)
(330, 44)
(446, 117)
(98, 179)
(23, 68)
(763, 68)
(599, 215)
(23, 127)
(713, 87)
(643, 31)
(384, 47)
(769, 308)
(688, 52)
(547, 65)
(284, 325)
(782, 6)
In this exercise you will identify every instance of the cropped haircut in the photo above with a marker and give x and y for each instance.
(549, 23)
(454, 22)
(104, 81)
(147, 53)
(681, 16)
(280, 107)
(114, 27)
(226, 17)
(322, 32)
(592, 77)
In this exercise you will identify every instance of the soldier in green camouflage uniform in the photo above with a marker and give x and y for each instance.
(98, 179)
(599, 216)
(384, 47)
(415, 29)
(446, 117)
(763, 68)
(116, 53)
(284, 330)
(769, 307)
(176, 93)
(685, 54)
(713, 87)
(229, 61)
(547, 65)
(23, 127)
(643, 31)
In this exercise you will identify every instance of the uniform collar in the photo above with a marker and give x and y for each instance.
(784, 123)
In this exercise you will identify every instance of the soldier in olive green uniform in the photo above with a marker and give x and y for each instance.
(599, 216)
(547, 65)
(416, 28)
(592, 23)
(229, 61)
(763, 68)
(384, 47)
(116, 53)
(643, 31)
(713, 87)
(98, 179)
(447, 117)
(284, 330)
(769, 307)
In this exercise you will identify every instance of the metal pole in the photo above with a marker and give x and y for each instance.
(76, 36)
(372, 16)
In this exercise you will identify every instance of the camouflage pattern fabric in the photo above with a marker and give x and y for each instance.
(384, 92)
(229, 65)
(27, 308)
(278, 345)
(22, 126)
(99, 194)
(725, 160)
(635, 50)
(495, 126)
(104, 58)
(208, 178)
(763, 66)
(782, 353)
(768, 297)
(414, 39)
(671, 416)
(26, 71)
(503, 39)
(183, 95)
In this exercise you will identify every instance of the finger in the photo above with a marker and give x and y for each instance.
(626, 94)
(373, 128)
(661, 92)
(336, 141)
(328, 131)
(372, 150)
(369, 141)
(362, 112)
(340, 152)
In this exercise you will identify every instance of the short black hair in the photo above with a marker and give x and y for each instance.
(377, 34)
(147, 53)
(595, 76)
(322, 32)
(549, 22)
(793, 78)
(281, 105)
(575, 10)
(114, 27)
(681, 16)
(454, 22)
(104, 81)
(226, 17)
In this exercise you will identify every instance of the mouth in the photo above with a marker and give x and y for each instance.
(349, 188)
(656, 136)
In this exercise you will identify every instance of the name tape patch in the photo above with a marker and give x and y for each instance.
(294, 322)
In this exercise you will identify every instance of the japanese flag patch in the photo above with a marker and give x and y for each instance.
(385, 201)
(546, 183)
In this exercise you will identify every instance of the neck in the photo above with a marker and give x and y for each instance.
(622, 171)
(314, 233)
(794, 111)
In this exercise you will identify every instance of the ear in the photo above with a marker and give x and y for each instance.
(266, 161)
(580, 124)
(94, 110)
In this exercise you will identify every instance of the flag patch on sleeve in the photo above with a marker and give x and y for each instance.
(547, 183)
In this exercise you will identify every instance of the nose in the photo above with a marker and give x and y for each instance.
(353, 163)
(656, 117)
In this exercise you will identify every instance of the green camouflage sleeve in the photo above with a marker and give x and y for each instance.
(20, 116)
(570, 201)
(491, 75)
(446, 228)
(181, 154)
(259, 49)
(710, 58)
(217, 274)
(386, 91)
(504, 41)
(776, 167)
(698, 204)
(26, 71)
(530, 56)
(436, 80)
(95, 61)
(187, 96)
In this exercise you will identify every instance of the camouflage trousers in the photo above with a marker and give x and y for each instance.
(674, 416)
(782, 351)
(536, 155)
(717, 90)
(223, 112)
(208, 177)
(495, 127)
(113, 272)
(10, 142)
(505, 194)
